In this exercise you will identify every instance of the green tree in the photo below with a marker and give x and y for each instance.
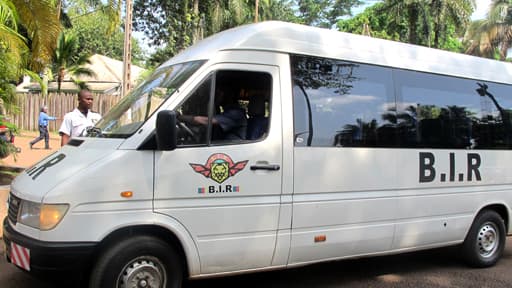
(90, 30)
(432, 23)
(39, 24)
(66, 59)
(391, 20)
(492, 37)
(110, 8)
(178, 24)
(14, 53)
(13, 48)
(449, 12)
(377, 22)
(415, 15)
(324, 13)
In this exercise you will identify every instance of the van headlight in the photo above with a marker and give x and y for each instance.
(41, 216)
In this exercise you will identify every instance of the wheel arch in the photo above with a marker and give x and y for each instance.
(499, 208)
(178, 238)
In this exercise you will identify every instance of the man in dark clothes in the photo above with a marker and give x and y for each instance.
(230, 124)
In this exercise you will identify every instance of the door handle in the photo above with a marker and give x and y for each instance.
(268, 167)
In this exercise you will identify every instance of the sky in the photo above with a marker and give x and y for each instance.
(482, 7)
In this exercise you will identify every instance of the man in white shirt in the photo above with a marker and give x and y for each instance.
(77, 121)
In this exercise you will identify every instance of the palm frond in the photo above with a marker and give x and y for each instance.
(81, 71)
(43, 27)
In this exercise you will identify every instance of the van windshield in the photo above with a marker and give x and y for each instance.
(132, 111)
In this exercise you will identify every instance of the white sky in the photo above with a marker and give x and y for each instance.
(482, 7)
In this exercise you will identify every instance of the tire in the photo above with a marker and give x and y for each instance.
(141, 260)
(485, 241)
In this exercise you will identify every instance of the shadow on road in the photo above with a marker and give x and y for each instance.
(431, 268)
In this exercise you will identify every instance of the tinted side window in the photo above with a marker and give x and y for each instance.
(344, 104)
(448, 112)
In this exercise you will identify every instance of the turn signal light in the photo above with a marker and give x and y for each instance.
(126, 194)
(320, 238)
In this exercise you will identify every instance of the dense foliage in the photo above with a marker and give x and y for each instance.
(178, 24)
(435, 23)
(93, 36)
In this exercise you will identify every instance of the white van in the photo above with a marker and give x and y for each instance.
(270, 146)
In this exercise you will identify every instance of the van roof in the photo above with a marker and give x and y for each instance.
(306, 40)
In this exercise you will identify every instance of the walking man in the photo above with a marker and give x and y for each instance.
(43, 128)
(77, 121)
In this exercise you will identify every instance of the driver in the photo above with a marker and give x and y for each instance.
(230, 124)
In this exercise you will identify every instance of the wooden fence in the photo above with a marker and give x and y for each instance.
(58, 105)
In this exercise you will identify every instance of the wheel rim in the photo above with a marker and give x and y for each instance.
(143, 272)
(488, 240)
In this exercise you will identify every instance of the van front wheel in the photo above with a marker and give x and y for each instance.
(141, 261)
(485, 241)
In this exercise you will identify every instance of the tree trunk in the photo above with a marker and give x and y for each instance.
(413, 21)
(60, 77)
(437, 9)
(503, 51)
(256, 8)
(196, 22)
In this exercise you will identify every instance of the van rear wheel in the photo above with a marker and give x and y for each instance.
(485, 241)
(141, 261)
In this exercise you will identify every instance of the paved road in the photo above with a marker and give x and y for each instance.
(427, 269)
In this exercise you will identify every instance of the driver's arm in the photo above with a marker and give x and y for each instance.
(202, 120)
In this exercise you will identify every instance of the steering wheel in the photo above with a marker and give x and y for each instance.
(189, 133)
(187, 129)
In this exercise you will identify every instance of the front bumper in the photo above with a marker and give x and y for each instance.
(49, 258)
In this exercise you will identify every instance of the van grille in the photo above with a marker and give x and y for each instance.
(14, 205)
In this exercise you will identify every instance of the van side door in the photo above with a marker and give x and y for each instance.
(344, 120)
(223, 182)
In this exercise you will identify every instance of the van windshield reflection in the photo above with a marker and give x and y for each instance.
(127, 116)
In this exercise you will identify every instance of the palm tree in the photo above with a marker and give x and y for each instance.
(65, 59)
(9, 36)
(12, 49)
(225, 14)
(493, 33)
(456, 12)
(428, 21)
(415, 13)
(39, 19)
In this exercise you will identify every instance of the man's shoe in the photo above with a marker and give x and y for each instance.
(30, 145)
(47, 148)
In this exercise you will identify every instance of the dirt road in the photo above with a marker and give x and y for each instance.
(28, 157)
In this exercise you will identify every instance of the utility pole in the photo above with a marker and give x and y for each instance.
(127, 52)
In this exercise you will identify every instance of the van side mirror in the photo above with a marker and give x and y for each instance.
(166, 130)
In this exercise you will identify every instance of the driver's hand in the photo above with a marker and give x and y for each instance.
(185, 118)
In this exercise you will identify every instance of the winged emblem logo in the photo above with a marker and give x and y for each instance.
(219, 167)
